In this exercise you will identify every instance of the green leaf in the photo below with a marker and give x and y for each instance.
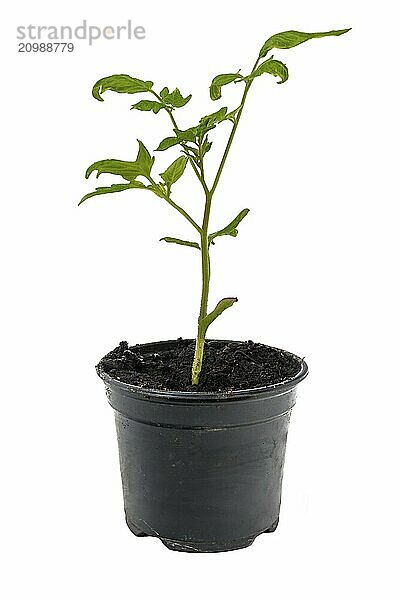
(148, 105)
(273, 67)
(175, 170)
(138, 184)
(218, 310)
(116, 187)
(231, 116)
(158, 189)
(290, 39)
(172, 240)
(122, 84)
(143, 160)
(219, 81)
(210, 121)
(206, 145)
(167, 143)
(127, 170)
(174, 98)
(188, 135)
(193, 150)
(230, 229)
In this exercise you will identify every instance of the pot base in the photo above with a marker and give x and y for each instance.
(195, 546)
(208, 546)
(135, 529)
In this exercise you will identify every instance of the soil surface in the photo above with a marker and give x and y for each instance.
(226, 366)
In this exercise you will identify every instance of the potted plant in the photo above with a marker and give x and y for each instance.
(201, 424)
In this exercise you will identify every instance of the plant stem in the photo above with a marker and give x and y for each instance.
(175, 126)
(205, 253)
(203, 230)
(205, 288)
(180, 209)
(232, 135)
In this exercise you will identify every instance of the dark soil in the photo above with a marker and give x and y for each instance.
(226, 366)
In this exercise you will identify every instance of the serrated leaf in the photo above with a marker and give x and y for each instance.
(143, 160)
(175, 170)
(290, 39)
(219, 81)
(127, 170)
(167, 143)
(148, 105)
(209, 121)
(116, 187)
(273, 67)
(172, 240)
(122, 84)
(188, 135)
(174, 98)
(231, 228)
(218, 310)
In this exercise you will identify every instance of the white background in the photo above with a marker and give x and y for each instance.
(315, 267)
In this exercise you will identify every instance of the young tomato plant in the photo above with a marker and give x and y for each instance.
(194, 143)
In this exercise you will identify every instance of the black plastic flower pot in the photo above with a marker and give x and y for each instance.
(202, 471)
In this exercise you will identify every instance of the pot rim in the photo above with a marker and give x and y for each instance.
(275, 389)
